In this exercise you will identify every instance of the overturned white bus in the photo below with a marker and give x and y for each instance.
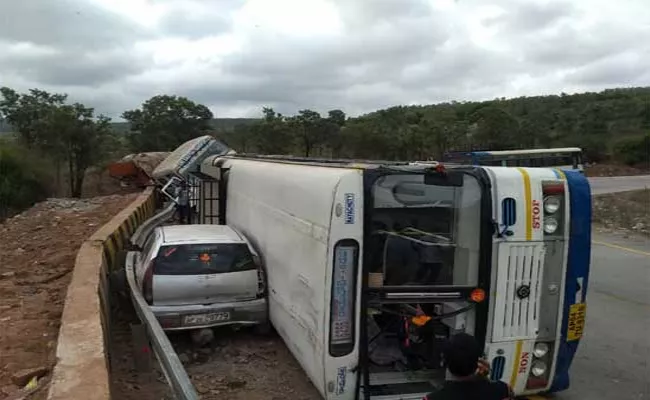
(372, 265)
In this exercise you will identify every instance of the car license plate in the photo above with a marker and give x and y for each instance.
(577, 314)
(204, 319)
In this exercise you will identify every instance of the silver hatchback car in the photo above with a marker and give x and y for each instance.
(201, 276)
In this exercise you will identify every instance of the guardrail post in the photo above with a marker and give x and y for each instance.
(141, 348)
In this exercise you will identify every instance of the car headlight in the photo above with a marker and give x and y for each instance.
(550, 225)
(541, 349)
(552, 204)
(538, 369)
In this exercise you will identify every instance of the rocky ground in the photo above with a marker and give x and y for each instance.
(37, 253)
(623, 212)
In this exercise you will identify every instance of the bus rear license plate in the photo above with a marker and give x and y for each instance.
(204, 319)
(577, 314)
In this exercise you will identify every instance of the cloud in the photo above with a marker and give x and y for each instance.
(529, 18)
(239, 55)
(73, 24)
(53, 66)
(195, 18)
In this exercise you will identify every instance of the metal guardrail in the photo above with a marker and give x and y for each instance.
(140, 235)
(177, 378)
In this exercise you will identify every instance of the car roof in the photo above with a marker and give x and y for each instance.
(200, 233)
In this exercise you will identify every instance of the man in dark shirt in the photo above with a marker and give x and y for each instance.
(462, 358)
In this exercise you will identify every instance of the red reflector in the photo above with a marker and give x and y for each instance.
(477, 295)
(553, 188)
(536, 383)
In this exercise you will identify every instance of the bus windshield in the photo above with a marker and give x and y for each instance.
(425, 234)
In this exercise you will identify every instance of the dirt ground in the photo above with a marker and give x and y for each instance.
(627, 211)
(235, 365)
(37, 253)
(613, 170)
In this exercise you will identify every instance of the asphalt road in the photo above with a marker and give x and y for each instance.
(613, 360)
(601, 185)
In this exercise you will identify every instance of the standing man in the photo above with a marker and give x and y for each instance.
(183, 203)
(466, 374)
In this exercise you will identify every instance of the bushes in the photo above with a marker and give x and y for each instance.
(22, 183)
(634, 151)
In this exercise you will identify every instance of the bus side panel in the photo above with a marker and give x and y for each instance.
(341, 372)
(577, 274)
(285, 211)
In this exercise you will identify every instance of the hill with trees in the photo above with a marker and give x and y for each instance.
(69, 139)
(610, 125)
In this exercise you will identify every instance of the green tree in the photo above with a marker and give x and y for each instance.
(165, 122)
(333, 125)
(28, 113)
(496, 128)
(82, 138)
(310, 129)
(23, 181)
(634, 151)
(69, 134)
(273, 134)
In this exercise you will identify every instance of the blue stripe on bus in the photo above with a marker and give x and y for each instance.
(577, 267)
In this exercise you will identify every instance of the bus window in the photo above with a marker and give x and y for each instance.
(491, 162)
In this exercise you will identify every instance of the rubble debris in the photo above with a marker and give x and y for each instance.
(24, 376)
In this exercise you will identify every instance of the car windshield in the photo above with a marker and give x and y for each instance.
(203, 259)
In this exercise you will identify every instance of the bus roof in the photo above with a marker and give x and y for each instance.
(527, 151)
(324, 162)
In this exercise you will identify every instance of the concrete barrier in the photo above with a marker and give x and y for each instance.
(82, 368)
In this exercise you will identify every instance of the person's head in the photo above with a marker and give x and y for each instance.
(461, 354)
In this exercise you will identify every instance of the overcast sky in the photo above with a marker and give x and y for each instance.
(357, 55)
